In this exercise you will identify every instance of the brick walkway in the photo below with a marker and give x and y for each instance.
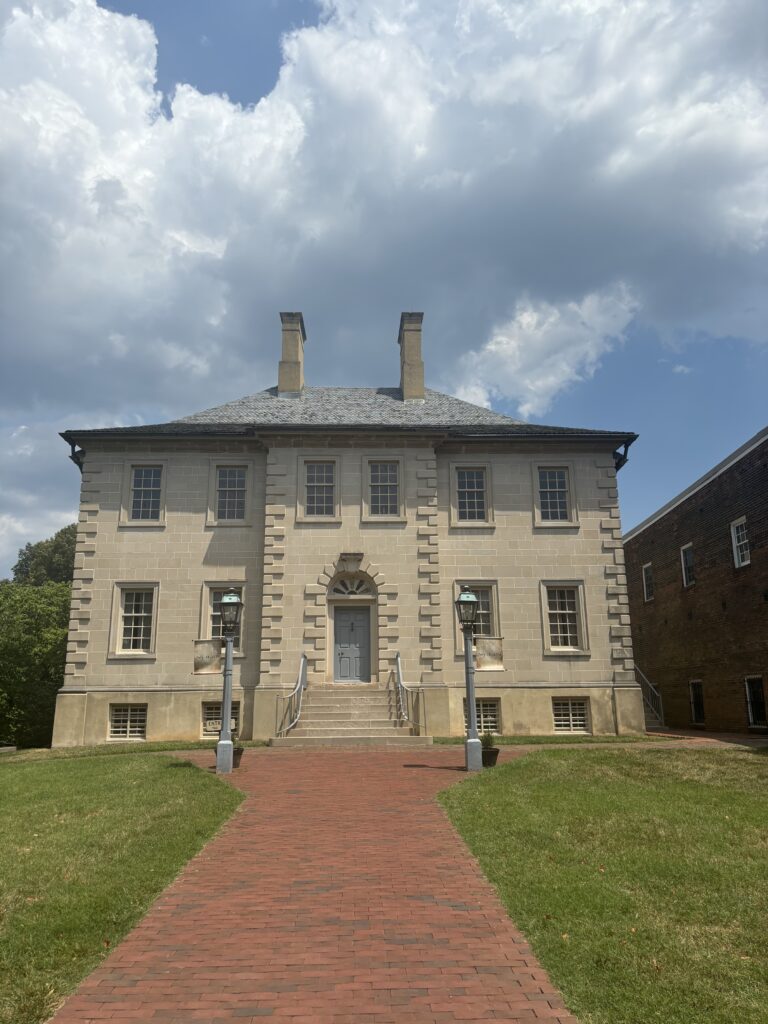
(338, 894)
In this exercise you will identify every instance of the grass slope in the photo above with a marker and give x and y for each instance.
(640, 877)
(86, 844)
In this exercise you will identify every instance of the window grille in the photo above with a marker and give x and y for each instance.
(553, 494)
(320, 486)
(145, 492)
(740, 540)
(697, 702)
(756, 713)
(648, 582)
(471, 499)
(127, 721)
(686, 558)
(570, 715)
(230, 492)
(212, 717)
(488, 714)
(216, 630)
(563, 612)
(137, 608)
(385, 497)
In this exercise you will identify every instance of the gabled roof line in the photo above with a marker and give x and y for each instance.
(716, 471)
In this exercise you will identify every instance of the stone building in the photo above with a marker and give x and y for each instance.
(698, 591)
(348, 519)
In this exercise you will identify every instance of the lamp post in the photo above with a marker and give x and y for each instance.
(231, 608)
(466, 609)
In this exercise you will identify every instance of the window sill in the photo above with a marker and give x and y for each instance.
(557, 524)
(128, 656)
(567, 652)
(126, 739)
(228, 522)
(317, 520)
(383, 520)
(141, 524)
(470, 524)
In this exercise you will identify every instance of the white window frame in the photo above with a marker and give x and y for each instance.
(126, 502)
(737, 561)
(487, 708)
(646, 596)
(573, 510)
(366, 515)
(301, 507)
(687, 547)
(471, 524)
(493, 587)
(581, 619)
(586, 730)
(750, 711)
(213, 492)
(116, 651)
(138, 708)
(694, 720)
(234, 720)
(206, 611)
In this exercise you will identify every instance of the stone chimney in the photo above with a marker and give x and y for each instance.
(290, 377)
(411, 364)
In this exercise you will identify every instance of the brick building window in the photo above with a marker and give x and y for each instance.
(127, 721)
(570, 715)
(740, 542)
(488, 714)
(230, 492)
(696, 691)
(146, 484)
(648, 582)
(755, 701)
(686, 562)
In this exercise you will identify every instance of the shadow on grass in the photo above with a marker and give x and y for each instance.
(438, 767)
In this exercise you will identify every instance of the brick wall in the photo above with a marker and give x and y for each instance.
(715, 630)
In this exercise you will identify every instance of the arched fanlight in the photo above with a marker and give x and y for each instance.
(351, 587)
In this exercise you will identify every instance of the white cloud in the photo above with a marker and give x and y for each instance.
(681, 368)
(500, 165)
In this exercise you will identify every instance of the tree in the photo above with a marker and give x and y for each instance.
(33, 647)
(49, 560)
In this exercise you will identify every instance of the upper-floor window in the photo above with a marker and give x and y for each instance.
(384, 484)
(146, 493)
(471, 501)
(648, 582)
(686, 561)
(136, 619)
(485, 624)
(230, 492)
(554, 495)
(740, 542)
(320, 496)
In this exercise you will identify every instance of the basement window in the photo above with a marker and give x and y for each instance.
(212, 717)
(127, 721)
(570, 715)
(488, 714)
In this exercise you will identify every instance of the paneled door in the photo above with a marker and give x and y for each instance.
(352, 645)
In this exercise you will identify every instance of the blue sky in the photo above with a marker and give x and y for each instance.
(573, 193)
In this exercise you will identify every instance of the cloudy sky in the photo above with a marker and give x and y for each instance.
(573, 191)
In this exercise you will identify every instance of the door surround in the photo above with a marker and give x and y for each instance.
(349, 591)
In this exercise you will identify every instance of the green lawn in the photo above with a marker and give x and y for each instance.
(640, 876)
(86, 844)
(569, 740)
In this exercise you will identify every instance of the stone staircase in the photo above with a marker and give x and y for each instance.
(346, 715)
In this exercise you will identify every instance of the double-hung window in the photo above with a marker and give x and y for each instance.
(146, 493)
(137, 608)
(384, 498)
(648, 582)
(216, 594)
(320, 489)
(554, 500)
(471, 498)
(740, 542)
(686, 562)
(565, 630)
(230, 493)
(756, 715)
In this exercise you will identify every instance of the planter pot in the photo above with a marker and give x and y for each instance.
(490, 756)
(237, 753)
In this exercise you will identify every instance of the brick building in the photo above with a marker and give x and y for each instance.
(697, 573)
(348, 519)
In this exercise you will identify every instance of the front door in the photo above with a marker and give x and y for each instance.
(352, 645)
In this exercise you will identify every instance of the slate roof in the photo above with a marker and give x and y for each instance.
(346, 409)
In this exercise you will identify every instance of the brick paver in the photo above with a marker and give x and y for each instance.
(339, 893)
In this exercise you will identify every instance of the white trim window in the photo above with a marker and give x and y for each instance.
(146, 494)
(127, 721)
(554, 494)
(212, 717)
(756, 711)
(231, 485)
(384, 487)
(471, 494)
(686, 565)
(696, 694)
(740, 542)
(565, 628)
(320, 489)
(215, 595)
(488, 714)
(570, 714)
(648, 581)
(137, 617)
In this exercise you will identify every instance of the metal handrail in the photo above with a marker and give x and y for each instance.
(651, 696)
(293, 700)
(402, 694)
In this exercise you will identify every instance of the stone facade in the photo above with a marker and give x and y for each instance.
(712, 631)
(289, 561)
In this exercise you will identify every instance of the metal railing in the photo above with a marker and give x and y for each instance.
(288, 708)
(408, 703)
(651, 696)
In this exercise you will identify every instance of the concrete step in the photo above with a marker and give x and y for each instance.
(340, 730)
(394, 740)
(345, 701)
(344, 714)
